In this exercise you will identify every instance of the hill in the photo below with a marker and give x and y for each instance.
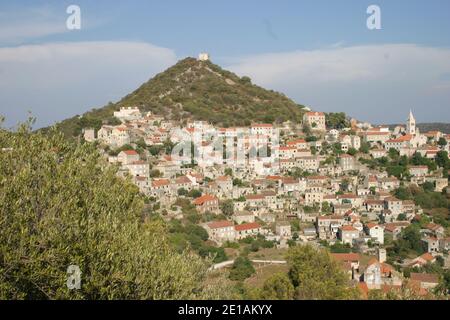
(433, 126)
(199, 90)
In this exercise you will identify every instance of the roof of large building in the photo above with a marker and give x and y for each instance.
(314, 114)
(346, 256)
(220, 224)
(201, 200)
(424, 277)
(130, 152)
(160, 182)
(247, 226)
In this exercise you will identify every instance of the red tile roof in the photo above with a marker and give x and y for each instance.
(160, 182)
(130, 152)
(353, 257)
(348, 228)
(297, 141)
(220, 224)
(427, 257)
(425, 277)
(315, 114)
(262, 125)
(247, 226)
(404, 138)
(201, 200)
(254, 197)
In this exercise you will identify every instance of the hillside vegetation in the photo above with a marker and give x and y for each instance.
(60, 206)
(199, 90)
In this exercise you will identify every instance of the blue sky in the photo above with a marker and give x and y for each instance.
(320, 53)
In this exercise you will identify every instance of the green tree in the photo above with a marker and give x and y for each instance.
(229, 172)
(194, 193)
(428, 186)
(393, 154)
(61, 205)
(242, 269)
(352, 151)
(227, 207)
(315, 275)
(365, 147)
(277, 287)
(442, 142)
(442, 159)
(396, 171)
(336, 120)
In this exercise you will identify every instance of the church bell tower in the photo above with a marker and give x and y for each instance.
(411, 125)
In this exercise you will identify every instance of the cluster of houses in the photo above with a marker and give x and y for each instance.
(376, 274)
(338, 200)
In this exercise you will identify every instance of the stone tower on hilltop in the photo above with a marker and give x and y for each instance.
(203, 56)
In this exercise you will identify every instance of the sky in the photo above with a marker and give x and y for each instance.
(319, 53)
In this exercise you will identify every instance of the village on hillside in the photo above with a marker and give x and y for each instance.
(353, 189)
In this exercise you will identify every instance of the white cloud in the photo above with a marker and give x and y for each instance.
(374, 82)
(26, 23)
(59, 80)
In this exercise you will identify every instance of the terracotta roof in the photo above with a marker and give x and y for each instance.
(160, 182)
(220, 224)
(392, 226)
(404, 138)
(316, 178)
(418, 167)
(297, 141)
(274, 177)
(374, 202)
(315, 113)
(347, 196)
(376, 133)
(247, 226)
(130, 152)
(182, 179)
(334, 217)
(346, 256)
(223, 178)
(262, 125)
(348, 228)
(433, 226)
(427, 257)
(289, 180)
(287, 148)
(425, 277)
(254, 197)
(201, 200)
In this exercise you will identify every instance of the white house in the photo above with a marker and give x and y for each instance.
(128, 114)
(376, 232)
(315, 120)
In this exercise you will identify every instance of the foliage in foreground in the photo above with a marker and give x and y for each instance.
(60, 206)
(313, 275)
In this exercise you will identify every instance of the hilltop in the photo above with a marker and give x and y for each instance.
(198, 90)
(432, 126)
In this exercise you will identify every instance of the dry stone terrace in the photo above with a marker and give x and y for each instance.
(287, 183)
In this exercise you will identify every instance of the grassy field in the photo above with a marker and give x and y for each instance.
(263, 273)
(269, 254)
